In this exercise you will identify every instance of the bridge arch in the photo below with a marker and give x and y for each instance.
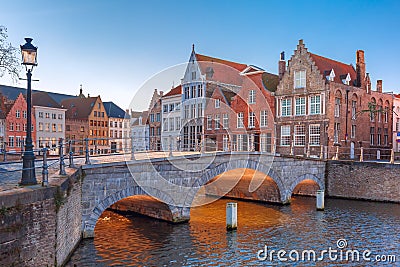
(319, 180)
(178, 214)
(257, 166)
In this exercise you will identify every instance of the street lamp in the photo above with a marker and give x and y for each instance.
(29, 54)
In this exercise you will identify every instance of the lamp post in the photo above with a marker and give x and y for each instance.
(29, 54)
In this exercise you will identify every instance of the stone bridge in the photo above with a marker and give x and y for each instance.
(176, 180)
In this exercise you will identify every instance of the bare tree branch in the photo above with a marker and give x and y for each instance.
(9, 56)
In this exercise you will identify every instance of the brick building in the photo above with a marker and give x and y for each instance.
(86, 117)
(15, 132)
(322, 103)
(242, 120)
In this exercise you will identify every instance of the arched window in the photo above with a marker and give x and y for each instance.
(338, 101)
(372, 108)
(354, 99)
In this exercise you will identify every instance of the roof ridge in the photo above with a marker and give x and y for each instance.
(220, 59)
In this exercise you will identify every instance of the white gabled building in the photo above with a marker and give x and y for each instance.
(140, 131)
(171, 119)
(50, 121)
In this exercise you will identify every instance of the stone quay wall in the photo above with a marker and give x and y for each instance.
(363, 180)
(40, 226)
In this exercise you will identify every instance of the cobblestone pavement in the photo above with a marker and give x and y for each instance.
(10, 173)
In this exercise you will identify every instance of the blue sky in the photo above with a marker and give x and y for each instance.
(113, 47)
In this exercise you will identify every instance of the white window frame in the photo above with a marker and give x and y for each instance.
(209, 122)
(252, 96)
(225, 142)
(263, 118)
(300, 106)
(285, 135)
(217, 103)
(314, 135)
(252, 119)
(314, 105)
(299, 79)
(286, 107)
(353, 131)
(225, 120)
(240, 120)
(299, 135)
(217, 121)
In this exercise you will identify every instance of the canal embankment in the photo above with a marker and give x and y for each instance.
(41, 226)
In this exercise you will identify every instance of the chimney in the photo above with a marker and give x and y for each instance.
(161, 93)
(282, 65)
(379, 86)
(80, 90)
(360, 69)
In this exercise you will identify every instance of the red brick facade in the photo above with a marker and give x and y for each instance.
(322, 103)
(15, 133)
(242, 121)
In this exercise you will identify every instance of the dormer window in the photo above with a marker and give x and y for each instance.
(346, 79)
(331, 76)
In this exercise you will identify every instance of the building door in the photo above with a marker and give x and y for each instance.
(113, 147)
(352, 150)
(257, 142)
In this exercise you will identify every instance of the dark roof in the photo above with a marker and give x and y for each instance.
(270, 81)
(113, 111)
(12, 93)
(325, 65)
(78, 108)
(143, 114)
(44, 100)
(174, 91)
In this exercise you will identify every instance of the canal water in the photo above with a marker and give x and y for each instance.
(345, 225)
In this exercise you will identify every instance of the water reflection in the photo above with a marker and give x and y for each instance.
(139, 241)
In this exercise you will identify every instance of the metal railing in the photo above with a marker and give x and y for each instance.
(126, 150)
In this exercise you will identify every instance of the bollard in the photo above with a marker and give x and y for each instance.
(321, 154)
(231, 216)
(392, 156)
(5, 152)
(45, 171)
(361, 154)
(87, 160)
(337, 153)
(62, 163)
(133, 153)
(320, 200)
(71, 155)
(170, 148)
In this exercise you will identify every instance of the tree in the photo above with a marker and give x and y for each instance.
(9, 56)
